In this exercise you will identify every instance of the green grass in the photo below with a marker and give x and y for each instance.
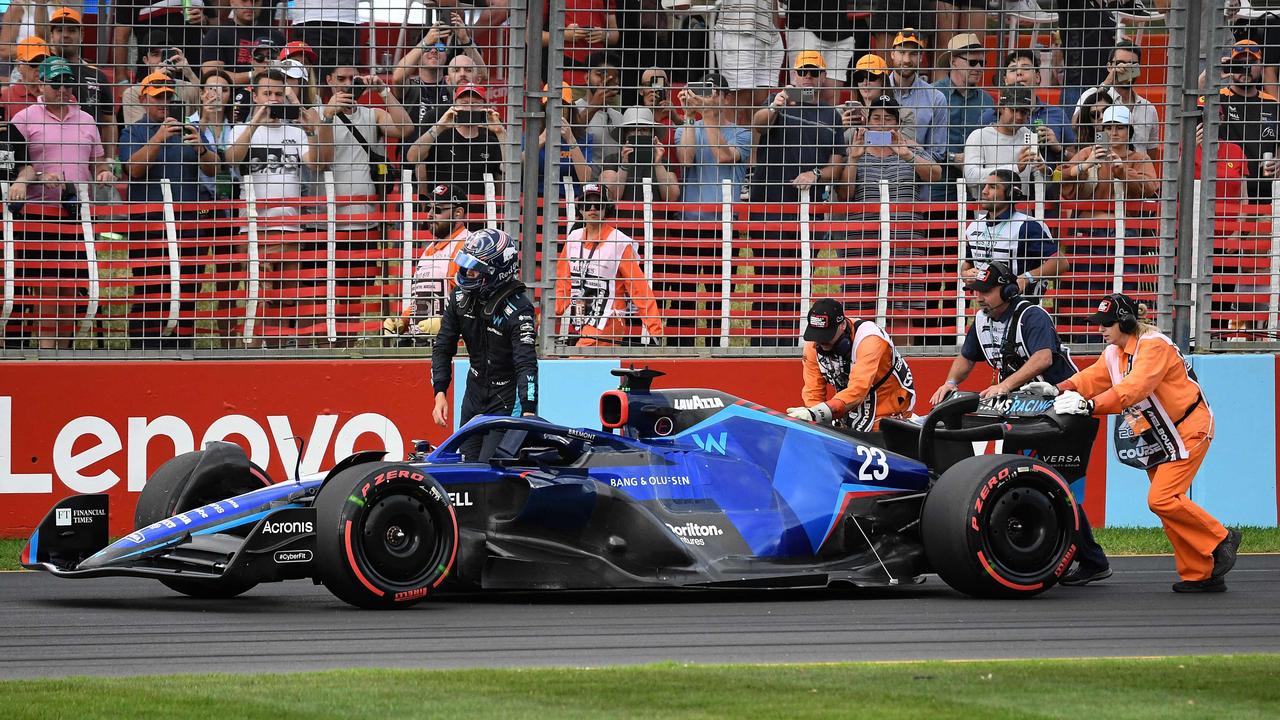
(1116, 541)
(1118, 689)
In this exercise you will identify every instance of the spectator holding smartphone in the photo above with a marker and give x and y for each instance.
(868, 78)
(164, 146)
(643, 155)
(462, 145)
(1054, 136)
(1089, 173)
(711, 148)
(1007, 143)
(591, 26)
(597, 109)
(655, 94)
(167, 63)
(271, 150)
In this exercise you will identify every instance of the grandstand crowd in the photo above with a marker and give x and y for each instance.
(886, 151)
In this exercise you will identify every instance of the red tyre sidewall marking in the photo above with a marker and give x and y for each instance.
(351, 561)
(992, 484)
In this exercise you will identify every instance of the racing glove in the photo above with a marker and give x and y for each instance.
(819, 413)
(1072, 403)
(392, 326)
(1044, 388)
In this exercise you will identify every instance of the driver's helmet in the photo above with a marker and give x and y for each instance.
(494, 254)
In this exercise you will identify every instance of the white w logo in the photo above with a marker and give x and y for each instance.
(711, 444)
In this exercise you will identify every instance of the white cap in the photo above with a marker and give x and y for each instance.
(1243, 10)
(293, 69)
(1117, 114)
(637, 116)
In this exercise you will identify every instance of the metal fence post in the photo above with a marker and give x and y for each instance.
(1175, 279)
(535, 123)
(1193, 287)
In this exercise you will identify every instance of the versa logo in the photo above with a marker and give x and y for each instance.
(712, 444)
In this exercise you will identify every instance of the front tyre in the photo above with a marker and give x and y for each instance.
(1000, 526)
(386, 535)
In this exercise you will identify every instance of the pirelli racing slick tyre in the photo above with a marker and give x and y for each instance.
(386, 535)
(1000, 526)
(192, 480)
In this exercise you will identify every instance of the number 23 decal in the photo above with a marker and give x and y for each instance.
(875, 466)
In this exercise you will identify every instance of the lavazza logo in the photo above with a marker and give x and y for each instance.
(694, 534)
(698, 403)
(91, 454)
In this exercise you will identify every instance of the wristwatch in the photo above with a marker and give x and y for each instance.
(1030, 278)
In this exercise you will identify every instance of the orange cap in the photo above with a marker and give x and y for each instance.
(157, 83)
(65, 14)
(872, 63)
(32, 50)
(810, 58)
(908, 35)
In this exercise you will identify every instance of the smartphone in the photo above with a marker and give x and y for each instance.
(176, 110)
(285, 112)
(701, 89)
(879, 138)
(800, 95)
(357, 82)
(1128, 73)
(470, 117)
(1028, 136)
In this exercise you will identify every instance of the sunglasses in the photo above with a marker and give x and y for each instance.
(863, 76)
(810, 72)
(438, 47)
(59, 84)
(591, 205)
(1106, 324)
(262, 57)
(436, 209)
(974, 62)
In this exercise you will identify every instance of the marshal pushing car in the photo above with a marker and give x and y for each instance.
(679, 489)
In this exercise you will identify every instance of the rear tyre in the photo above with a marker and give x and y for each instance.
(1000, 526)
(386, 535)
(173, 489)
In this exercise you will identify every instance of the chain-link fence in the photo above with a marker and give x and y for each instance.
(294, 179)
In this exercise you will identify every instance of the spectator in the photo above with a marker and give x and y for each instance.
(966, 102)
(597, 275)
(1088, 114)
(25, 88)
(869, 77)
(1003, 232)
(655, 94)
(172, 70)
(65, 149)
(748, 50)
(1006, 143)
(93, 90)
(799, 148)
(330, 26)
(279, 139)
(591, 27)
(298, 88)
(1123, 70)
(575, 155)
(1250, 118)
(162, 146)
(260, 59)
(1089, 174)
(22, 19)
(1054, 136)
(597, 108)
(420, 80)
(883, 151)
(433, 277)
(213, 119)
(16, 170)
(463, 145)
(1087, 29)
(858, 360)
(824, 27)
(924, 109)
(903, 163)
(643, 155)
(1229, 174)
(160, 23)
(712, 149)
(359, 134)
(241, 46)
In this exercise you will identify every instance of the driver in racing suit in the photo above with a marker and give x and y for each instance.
(856, 357)
(434, 275)
(490, 311)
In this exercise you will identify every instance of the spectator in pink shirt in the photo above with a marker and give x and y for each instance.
(64, 147)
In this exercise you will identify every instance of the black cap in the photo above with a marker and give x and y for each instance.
(1017, 96)
(995, 274)
(1111, 307)
(717, 80)
(825, 317)
(1021, 53)
(887, 103)
(446, 195)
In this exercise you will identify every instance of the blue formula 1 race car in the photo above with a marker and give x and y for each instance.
(680, 489)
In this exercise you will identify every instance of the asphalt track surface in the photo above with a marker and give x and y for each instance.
(124, 626)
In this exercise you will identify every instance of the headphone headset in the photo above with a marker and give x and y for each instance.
(1012, 185)
(1008, 282)
(1126, 313)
